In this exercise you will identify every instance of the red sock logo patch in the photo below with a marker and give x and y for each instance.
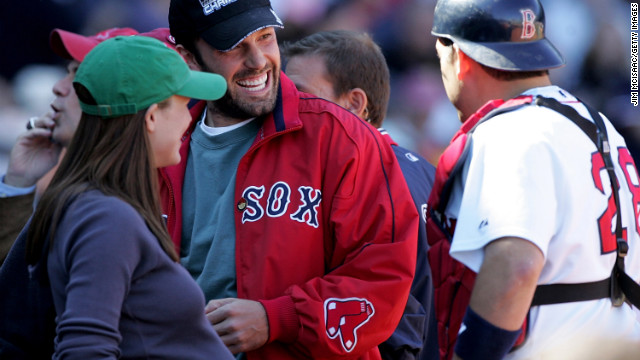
(343, 317)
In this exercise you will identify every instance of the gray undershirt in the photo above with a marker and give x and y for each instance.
(208, 229)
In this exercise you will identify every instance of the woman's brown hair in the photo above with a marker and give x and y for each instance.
(112, 156)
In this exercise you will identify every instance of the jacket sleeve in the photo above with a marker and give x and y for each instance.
(27, 315)
(371, 227)
(14, 212)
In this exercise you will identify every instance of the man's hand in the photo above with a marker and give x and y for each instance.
(33, 155)
(241, 324)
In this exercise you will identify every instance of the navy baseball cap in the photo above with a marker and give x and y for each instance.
(222, 24)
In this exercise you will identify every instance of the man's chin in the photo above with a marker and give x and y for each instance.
(245, 109)
(253, 107)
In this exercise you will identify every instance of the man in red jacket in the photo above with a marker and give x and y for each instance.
(278, 209)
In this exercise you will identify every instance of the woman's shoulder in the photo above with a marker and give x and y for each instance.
(98, 208)
(103, 223)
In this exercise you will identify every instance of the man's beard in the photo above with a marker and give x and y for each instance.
(232, 108)
(235, 108)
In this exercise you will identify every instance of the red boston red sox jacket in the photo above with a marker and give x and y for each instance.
(325, 229)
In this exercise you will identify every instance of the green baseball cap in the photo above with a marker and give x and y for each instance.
(127, 74)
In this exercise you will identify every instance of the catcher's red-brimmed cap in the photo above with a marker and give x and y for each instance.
(73, 46)
(222, 24)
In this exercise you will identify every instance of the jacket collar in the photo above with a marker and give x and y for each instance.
(283, 117)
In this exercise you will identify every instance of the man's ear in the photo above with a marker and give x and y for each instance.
(150, 118)
(464, 63)
(188, 57)
(356, 101)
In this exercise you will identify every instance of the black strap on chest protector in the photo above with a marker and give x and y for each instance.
(619, 286)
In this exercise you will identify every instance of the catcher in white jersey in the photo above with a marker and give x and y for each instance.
(534, 204)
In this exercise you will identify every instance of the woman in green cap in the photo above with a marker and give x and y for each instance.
(118, 288)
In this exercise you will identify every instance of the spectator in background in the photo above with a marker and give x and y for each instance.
(349, 69)
(37, 151)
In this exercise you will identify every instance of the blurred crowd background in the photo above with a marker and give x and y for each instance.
(593, 35)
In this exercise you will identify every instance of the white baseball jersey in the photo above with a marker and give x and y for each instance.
(535, 175)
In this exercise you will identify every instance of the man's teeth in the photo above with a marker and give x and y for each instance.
(254, 85)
